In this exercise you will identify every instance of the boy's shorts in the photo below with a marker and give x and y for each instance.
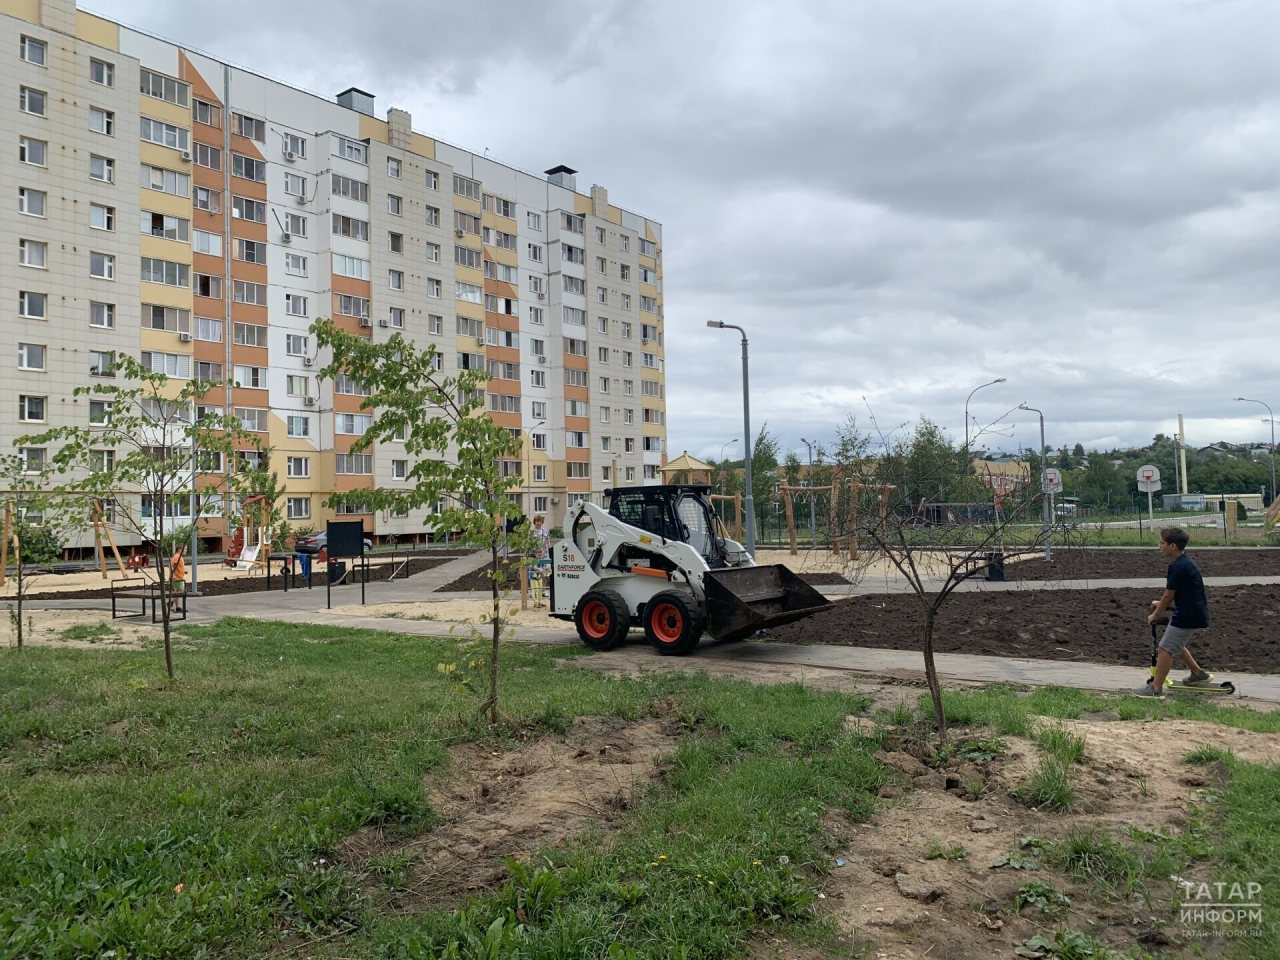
(1175, 639)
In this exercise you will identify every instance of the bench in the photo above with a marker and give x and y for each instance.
(137, 589)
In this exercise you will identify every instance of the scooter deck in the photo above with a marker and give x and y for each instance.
(1225, 688)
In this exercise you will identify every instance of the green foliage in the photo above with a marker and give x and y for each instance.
(1207, 753)
(939, 851)
(1049, 788)
(90, 632)
(1097, 858)
(1041, 895)
(1061, 743)
(1073, 945)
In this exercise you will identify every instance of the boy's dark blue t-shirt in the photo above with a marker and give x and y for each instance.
(1191, 606)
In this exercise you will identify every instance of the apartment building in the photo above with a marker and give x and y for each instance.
(202, 217)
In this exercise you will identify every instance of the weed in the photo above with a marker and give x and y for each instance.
(936, 851)
(1040, 894)
(1061, 743)
(978, 751)
(1049, 788)
(1013, 860)
(903, 714)
(1096, 858)
(89, 631)
(1073, 945)
(1143, 787)
(1207, 753)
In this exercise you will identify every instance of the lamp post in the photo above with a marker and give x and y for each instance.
(727, 443)
(1272, 418)
(1044, 481)
(813, 526)
(966, 411)
(746, 436)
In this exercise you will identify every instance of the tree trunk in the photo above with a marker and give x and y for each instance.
(164, 590)
(931, 675)
(17, 573)
(497, 633)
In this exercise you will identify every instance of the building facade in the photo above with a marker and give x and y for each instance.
(202, 217)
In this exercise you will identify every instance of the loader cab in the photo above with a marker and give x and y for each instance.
(674, 512)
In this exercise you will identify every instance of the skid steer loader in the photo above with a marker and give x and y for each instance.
(659, 558)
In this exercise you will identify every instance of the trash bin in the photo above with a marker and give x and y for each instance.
(995, 566)
(337, 570)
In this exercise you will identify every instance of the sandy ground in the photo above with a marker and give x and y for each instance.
(46, 628)
(92, 580)
(451, 611)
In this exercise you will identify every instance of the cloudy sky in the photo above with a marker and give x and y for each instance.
(899, 201)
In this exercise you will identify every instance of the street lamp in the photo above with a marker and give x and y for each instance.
(1044, 481)
(813, 527)
(727, 443)
(966, 411)
(1272, 417)
(746, 436)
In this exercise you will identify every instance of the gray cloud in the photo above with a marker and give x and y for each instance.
(900, 201)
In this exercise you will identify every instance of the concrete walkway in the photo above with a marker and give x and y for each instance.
(874, 585)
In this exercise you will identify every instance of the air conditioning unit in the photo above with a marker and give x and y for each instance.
(301, 199)
(308, 362)
(184, 337)
(460, 232)
(384, 322)
(542, 296)
(290, 156)
(555, 500)
(542, 359)
(366, 322)
(186, 155)
(309, 401)
(286, 237)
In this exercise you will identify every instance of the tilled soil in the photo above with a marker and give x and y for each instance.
(1103, 564)
(1097, 626)
(482, 579)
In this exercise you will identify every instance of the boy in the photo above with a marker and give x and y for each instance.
(1184, 593)
(178, 566)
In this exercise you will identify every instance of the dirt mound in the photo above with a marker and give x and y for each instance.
(499, 804)
(889, 894)
(1097, 626)
(1102, 564)
(482, 579)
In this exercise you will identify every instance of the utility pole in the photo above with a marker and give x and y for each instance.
(813, 525)
(1272, 419)
(1182, 452)
(750, 504)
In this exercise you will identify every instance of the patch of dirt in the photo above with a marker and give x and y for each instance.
(509, 803)
(1098, 626)
(448, 612)
(1132, 775)
(49, 626)
(823, 579)
(1100, 563)
(482, 579)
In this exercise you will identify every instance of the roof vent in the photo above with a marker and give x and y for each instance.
(353, 98)
(563, 176)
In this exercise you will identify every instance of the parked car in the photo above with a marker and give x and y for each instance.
(318, 541)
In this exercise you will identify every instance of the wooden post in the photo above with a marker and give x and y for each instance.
(524, 587)
(855, 486)
(791, 519)
(1231, 522)
(737, 516)
(837, 482)
(110, 539)
(4, 547)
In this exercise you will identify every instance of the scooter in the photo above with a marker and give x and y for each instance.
(1179, 686)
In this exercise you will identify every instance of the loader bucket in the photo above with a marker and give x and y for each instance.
(742, 600)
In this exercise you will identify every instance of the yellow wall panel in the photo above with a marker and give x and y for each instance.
(95, 30)
(28, 10)
(166, 250)
(166, 111)
(162, 340)
(581, 204)
(424, 146)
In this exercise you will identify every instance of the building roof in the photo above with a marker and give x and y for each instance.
(684, 463)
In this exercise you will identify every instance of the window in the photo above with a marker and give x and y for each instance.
(347, 386)
(649, 304)
(648, 332)
(578, 439)
(296, 224)
(102, 363)
(354, 424)
(166, 181)
(604, 444)
(466, 188)
(251, 251)
(395, 279)
(599, 234)
(170, 364)
(626, 301)
(433, 180)
(34, 152)
(624, 242)
(536, 316)
(353, 463)
(602, 295)
(252, 418)
(206, 328)
(33, 253)
(102, 168)
(33, 305)
(434, 288)
(247, 168)
(207, 285)
(433, 253)
(650, 388)
(102, 266)
(351, 267)
(466, 222)
(295, 345)
(164, 134)
(203, 241)
(433, 216)
(571, 254)
(604, 414)
(102, 72)
(624, 271)
(250, 334)
(207, 156)
(533, 220)
(393, 168)
(167, 272)
(650, 360)
(101, 461)
(298, 467)
(602, 354)
(31, 409)
(33, 51)
(575, 317)
(350, 150)
(626, 358)
(350, 227)
(469, 292)
(299, 508)
(99, 412)
(470, 327)
(602, 324)
(292, 143)
(34, 101)
(575, 378)
(349, 306)
(207, 113)
(250, 127)
(496, 238)
(435, 324)
(208, 200)
(164, 88)
(208, 371)
(296, 386)
(250, 376)
(629, 417)
(295, 264)
(628, 387)
(467, 257)
(574, 347)
(601, 265)
(572, 223)
(170, 228)
(603, 385)
(32, 459)
(397, 317)
(537, 378)
(574, 285)
(576, 408)
(395, 205)
(606, 473)
(246, 292)
(395, 242)
(298, 426)
(648, 276)
(626, 331)
(648, 248)
(295, 305)
(173, 319)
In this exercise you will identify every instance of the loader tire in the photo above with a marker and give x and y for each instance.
(602, 619)
(672, 624)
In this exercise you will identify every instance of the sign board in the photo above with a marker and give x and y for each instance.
(345, 538)
(1148, 479)
(1052, 481)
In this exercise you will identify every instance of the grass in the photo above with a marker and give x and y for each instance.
(160, 819)
(1049, 788)
(1207, 753)
(90, 632)
(938, 851)
(1045, 898)
(1060, 743)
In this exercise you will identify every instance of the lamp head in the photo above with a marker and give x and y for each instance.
(1023, 406)
(1001, 380)
(718, 324)
(1237, 399)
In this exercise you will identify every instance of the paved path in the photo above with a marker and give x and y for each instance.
(870, 585)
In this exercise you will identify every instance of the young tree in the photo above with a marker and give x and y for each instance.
(458, 455)
(936, 545)
(143, 452)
